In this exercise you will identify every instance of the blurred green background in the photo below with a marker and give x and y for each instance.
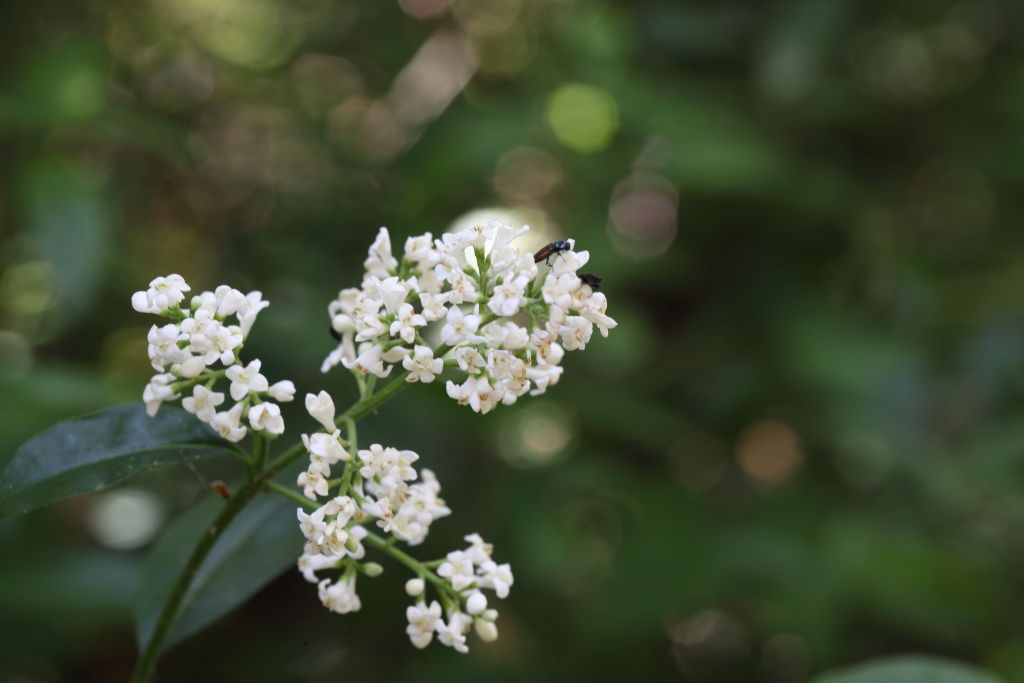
(802, 447)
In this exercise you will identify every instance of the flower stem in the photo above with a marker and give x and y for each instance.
(292, 495)
(147, 659)
(412, 563)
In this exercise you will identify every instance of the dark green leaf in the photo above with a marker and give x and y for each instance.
(94, 452)
(260, 544)
(909, 670)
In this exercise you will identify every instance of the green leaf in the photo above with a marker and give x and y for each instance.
(258, 545)
(94, 452)
(916, 669)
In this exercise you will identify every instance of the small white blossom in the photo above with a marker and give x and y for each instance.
(458, 569)
(369, 362)
(321, 408)
(245, 380)
(453, 634)
(406, 322)
(283, 391)
(227, 423)
(266, 417)
(310, 564)
(339, 597)
(460, 328)
(157, 391)
(422, 620)
(422, 365)
(203, 402)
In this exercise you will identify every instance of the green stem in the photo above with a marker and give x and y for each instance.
(292, 495)
(412, 563)
(147, 660)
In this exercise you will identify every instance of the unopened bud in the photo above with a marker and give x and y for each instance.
(487, 631)
(414, 587)
(372, 569)
(476, 603)
(352, 543)
(192, 367)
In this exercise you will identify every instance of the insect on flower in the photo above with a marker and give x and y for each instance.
(591, 280)
(550, 250)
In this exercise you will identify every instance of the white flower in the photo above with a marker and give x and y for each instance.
(227, 423)
(340, 597)
(391, 291)
(369, 362)
(246, 379)
(422, 620)
(422, 365)
(469, 360)
(559, 290)
(476, 392)
(479, 551)
(453, 634)
(309, 564)
(325, 447)
(496, 576)
(312, 482)
(576, 332)
(508, 297)
(282, 391)
(420, 250)
(248, 310)
(321, 408)
(157, 391)
(433, 306)
(460, 328)
(312, 525)
(406, 322)
(458, 569)
(568, 261)
(266, 417)
(202, 402)
(380, 261)
(163, 346)
(594, 311)
(163, 293)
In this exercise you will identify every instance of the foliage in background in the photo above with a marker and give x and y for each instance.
(802, 448)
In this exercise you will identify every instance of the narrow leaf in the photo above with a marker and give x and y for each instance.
(914, 669)
(96, 451)
(258, 545)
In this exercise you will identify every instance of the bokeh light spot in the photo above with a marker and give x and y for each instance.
(536, 435)
(769, 452)
(125, 519)
(642, 214)
(582, 117)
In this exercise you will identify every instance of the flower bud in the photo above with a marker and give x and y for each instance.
(372, 569)
(282, 391)
(487, 631)
(489, 615)
(321, 408)
(476, 603)
(192, 367)
(351, 543)
(414, 587)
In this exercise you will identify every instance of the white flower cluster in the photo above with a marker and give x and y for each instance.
(506, 327)
(380, 484)
(467, 572)
(202, 335)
